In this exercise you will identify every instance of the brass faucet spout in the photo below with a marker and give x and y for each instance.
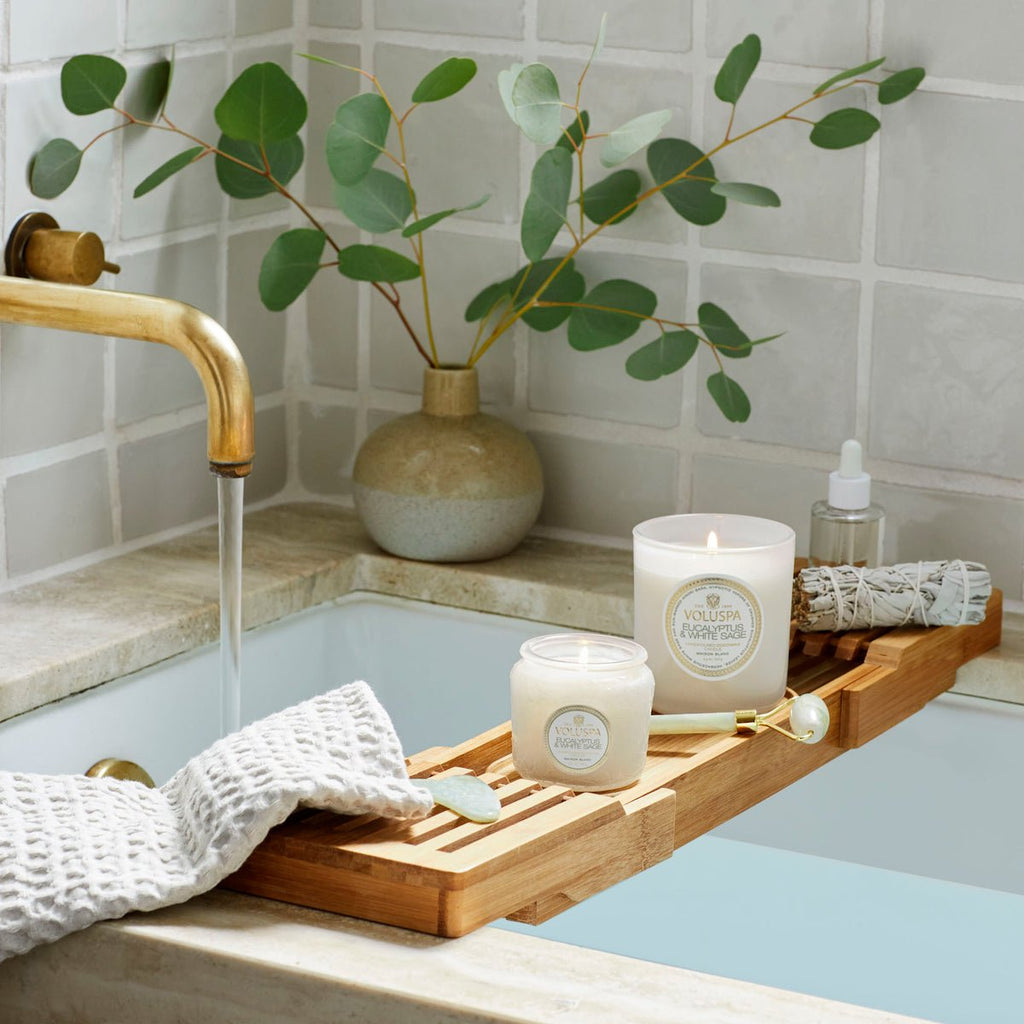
(203, 342)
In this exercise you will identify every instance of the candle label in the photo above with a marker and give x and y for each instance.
(577, 737)
(713, 626)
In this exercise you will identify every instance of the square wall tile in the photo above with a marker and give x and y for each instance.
(926, 525)
(603, 488)
(34, 115)
(947, 380)
(192, 196)
(802, 386)
(166, 482)
(270, 467)
(463, 148)
(45, 29)
(458, 266)
(615, 93)
(335, 13)
(464, 17)
(595, 383)
(821, 189)
(258, 332)
(978, 41)
(158, 23)
(826, 33)
(152, 379)
(950, 186)
(329, 87)
(333, 318)
(327, 448)
(51, 387)
(769, 490)
(253, 16)
(57, 513)
(631, 23)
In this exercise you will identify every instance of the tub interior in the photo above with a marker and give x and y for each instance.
(890, 877)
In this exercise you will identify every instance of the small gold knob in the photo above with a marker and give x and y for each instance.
(115, 768)
(38, 248)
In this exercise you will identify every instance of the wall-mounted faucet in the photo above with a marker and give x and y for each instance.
(36, 248)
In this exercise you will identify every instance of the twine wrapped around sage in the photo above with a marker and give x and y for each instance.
(841, 597)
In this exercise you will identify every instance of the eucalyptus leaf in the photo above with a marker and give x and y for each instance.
(166, 169)
(629, 138)
(572, 137)
(843, 128)
(729, 397)
(261, 105)
(284, 158)
(598, 42)
(379, 203)
(91, 83)
(290, 264)
(445, 80)
(621, 308)
(375, 263)
(433, 218)
(567, 286)
(356, 137)
(741, 192)
(851, 73)
(612, 199)
(668, 353)
(148, 91)
(54, 168)
(722, 331)
(544, 210)
(691, 199)
(507, 79)
(900, 85)
(486, 299)
(536, 104)
(735, 72)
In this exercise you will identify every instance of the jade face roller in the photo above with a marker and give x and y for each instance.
(808, 720)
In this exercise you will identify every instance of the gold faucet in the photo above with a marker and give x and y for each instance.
(74, 307)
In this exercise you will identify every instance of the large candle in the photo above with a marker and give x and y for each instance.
(581, 709)
(712, 607)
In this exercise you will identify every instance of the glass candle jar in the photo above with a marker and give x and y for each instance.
(712, 605)
(581, 708)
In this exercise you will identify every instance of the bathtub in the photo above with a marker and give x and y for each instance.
(890, 878)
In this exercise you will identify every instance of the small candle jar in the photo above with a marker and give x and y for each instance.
(712, 601)
(581, 708)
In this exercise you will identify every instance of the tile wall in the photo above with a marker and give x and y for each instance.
(896, 271)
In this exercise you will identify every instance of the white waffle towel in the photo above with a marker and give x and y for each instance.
(75, 850)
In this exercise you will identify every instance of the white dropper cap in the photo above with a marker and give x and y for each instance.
(849, 487)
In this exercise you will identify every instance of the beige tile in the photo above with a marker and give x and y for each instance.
(603, 488)
(270, 468)
(327, 436)
(821, 190)
(154, 23)
(335, 13)
(258, 332)
(56, 28)
(150, 378)
(465, 17)
(165, 482)
(631, 23)
(947, 380)
(329, 87)
(953, 206)
(332, 314)
(57, 513)
(802, 386)
(192, 196)
(51, 388)
(596, 384)
(252, 16)
(827, 33)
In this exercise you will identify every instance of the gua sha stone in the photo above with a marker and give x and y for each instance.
(466, 795)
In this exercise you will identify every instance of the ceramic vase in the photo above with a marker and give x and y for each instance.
(448, 483)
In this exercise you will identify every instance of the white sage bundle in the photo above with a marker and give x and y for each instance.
(841, 597)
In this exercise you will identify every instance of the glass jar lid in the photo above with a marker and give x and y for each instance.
(584, 651)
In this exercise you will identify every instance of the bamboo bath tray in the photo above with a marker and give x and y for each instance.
(552, 848)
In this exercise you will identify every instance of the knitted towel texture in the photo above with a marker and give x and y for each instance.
(75, 850)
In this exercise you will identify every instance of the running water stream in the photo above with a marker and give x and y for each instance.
(229, 503)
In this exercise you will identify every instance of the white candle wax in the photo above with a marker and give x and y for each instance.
(581, 707)
(714, 616)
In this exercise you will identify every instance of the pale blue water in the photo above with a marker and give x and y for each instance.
(927, 948)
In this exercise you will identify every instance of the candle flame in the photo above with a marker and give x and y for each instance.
(712, 542)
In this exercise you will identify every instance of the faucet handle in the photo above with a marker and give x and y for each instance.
(36, 247)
